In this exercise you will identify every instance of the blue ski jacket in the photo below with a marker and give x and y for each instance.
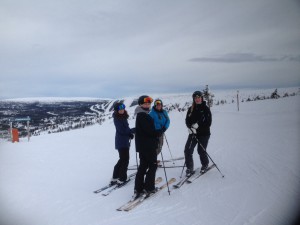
(161, 119)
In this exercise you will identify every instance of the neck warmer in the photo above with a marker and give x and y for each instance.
(140, 109)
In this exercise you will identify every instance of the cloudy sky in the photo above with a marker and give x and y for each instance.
(117, 48)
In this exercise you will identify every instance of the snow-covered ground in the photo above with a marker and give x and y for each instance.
(50, 180)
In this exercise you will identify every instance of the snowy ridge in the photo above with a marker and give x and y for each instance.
(50, 179)
(54, 99)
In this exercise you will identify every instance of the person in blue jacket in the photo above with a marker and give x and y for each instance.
(161, 121)
(122, 143)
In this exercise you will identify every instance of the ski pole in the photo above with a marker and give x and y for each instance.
(207, 153)
(169, 148)
(137, 163)
(165, 171)
(182, 170)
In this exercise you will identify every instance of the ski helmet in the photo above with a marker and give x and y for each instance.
(144, 99)
(158, 101)
(118, 106)
(197, 93)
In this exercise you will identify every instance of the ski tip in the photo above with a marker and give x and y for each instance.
(173, 180)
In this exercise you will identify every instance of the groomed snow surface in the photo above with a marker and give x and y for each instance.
(50, 179)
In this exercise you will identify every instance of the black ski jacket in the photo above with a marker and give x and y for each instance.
(200, 114)
(146, 137)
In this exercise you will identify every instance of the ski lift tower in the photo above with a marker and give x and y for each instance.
(26, 119)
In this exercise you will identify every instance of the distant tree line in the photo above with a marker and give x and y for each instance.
(209, 97)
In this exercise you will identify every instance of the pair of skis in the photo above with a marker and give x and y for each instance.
(133, 167)
(111, 187)
(175, 159)
(139, 200)
(192, 177)
(200, 174)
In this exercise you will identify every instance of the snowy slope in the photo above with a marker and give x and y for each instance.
(50, 180)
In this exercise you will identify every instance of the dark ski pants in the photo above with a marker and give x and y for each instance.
(120, 169)
(189, 150)
(146, 168)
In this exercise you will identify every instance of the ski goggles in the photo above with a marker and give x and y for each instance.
(158, 102)
(120, 107)
(148, 100)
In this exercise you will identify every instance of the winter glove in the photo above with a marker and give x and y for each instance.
(192, 130)
(133, 130)
(195, 126)
(131, 136)
(159, 133)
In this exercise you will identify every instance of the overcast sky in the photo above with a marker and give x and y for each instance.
(117, 48)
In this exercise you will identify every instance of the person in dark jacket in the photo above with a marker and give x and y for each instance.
(122, 143)
(146, 142)
(198, 121)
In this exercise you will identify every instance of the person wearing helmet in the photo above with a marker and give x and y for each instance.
(161, 121)
(122, 143)
(198, 121)
(146, 142)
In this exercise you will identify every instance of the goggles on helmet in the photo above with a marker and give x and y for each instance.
(157, 102)
(197, 94)
(148, 100)
(120, 107)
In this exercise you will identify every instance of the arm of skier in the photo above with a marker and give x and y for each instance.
(122, 127)
(167, 124)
